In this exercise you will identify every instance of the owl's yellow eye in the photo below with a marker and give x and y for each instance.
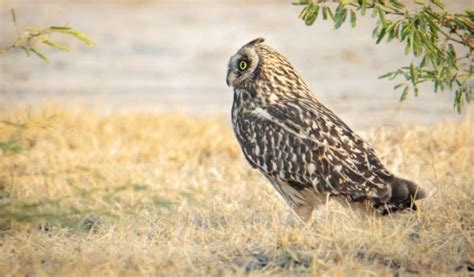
(243, 65)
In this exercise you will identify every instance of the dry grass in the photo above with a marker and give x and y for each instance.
(171, 194)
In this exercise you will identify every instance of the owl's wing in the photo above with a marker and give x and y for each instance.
(307, 145)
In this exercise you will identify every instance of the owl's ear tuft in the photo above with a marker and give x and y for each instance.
(253, 42)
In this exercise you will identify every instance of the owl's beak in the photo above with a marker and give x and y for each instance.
(231, 76)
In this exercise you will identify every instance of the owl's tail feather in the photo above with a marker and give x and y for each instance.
(404, 194)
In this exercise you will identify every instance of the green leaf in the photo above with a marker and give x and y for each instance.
(331, 15)
(380, 36)
(13, 16)
(390, 31)
(409, 45)
(300, 2)
(304, 12)
(340, 16)
(386, 75)
(363, 9)
(470, 15)
(60, 28)
(381, 16)
(311, 14)
(438, 3)
(404, 94)
(399, 85)
(417, 45)
(436, 85)
(353, 19)
(316, 13)
(404, 32)
(325, 12)
(56, 45)
(396, 29)
(69, 31)
(458, 100)
(424, 61)
(376, 31)
(460, 23)
(397, 4)
(43, 57)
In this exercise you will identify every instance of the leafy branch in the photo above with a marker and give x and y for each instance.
(33, 36)
(27, 41)
(441, 43)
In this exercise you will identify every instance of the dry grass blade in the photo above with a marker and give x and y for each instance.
(172, 195)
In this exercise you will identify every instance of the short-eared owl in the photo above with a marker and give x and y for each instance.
(299, 145)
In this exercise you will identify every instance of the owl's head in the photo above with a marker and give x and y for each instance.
(244, 65)
(267, 74)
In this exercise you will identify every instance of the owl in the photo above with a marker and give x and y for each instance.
(304, 150)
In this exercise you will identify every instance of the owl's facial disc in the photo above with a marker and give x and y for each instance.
(241, 67)
(237, 65)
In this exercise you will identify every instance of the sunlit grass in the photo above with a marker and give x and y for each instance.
(172, 194)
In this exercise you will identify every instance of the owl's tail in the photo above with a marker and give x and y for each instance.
(404, 194)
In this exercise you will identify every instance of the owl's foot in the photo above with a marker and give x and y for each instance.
(303, 215)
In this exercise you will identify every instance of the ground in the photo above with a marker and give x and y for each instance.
(87, 193)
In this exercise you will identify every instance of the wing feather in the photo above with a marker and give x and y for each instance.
(308, 145)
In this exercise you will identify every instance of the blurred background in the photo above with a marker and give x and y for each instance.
(155, 56)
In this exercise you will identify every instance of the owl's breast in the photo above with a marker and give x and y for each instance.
(243, 102)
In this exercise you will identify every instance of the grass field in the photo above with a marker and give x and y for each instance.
(83, 193)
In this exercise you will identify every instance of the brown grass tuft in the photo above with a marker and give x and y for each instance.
(172, 194)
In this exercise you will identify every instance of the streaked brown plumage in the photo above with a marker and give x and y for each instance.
(299, 145)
